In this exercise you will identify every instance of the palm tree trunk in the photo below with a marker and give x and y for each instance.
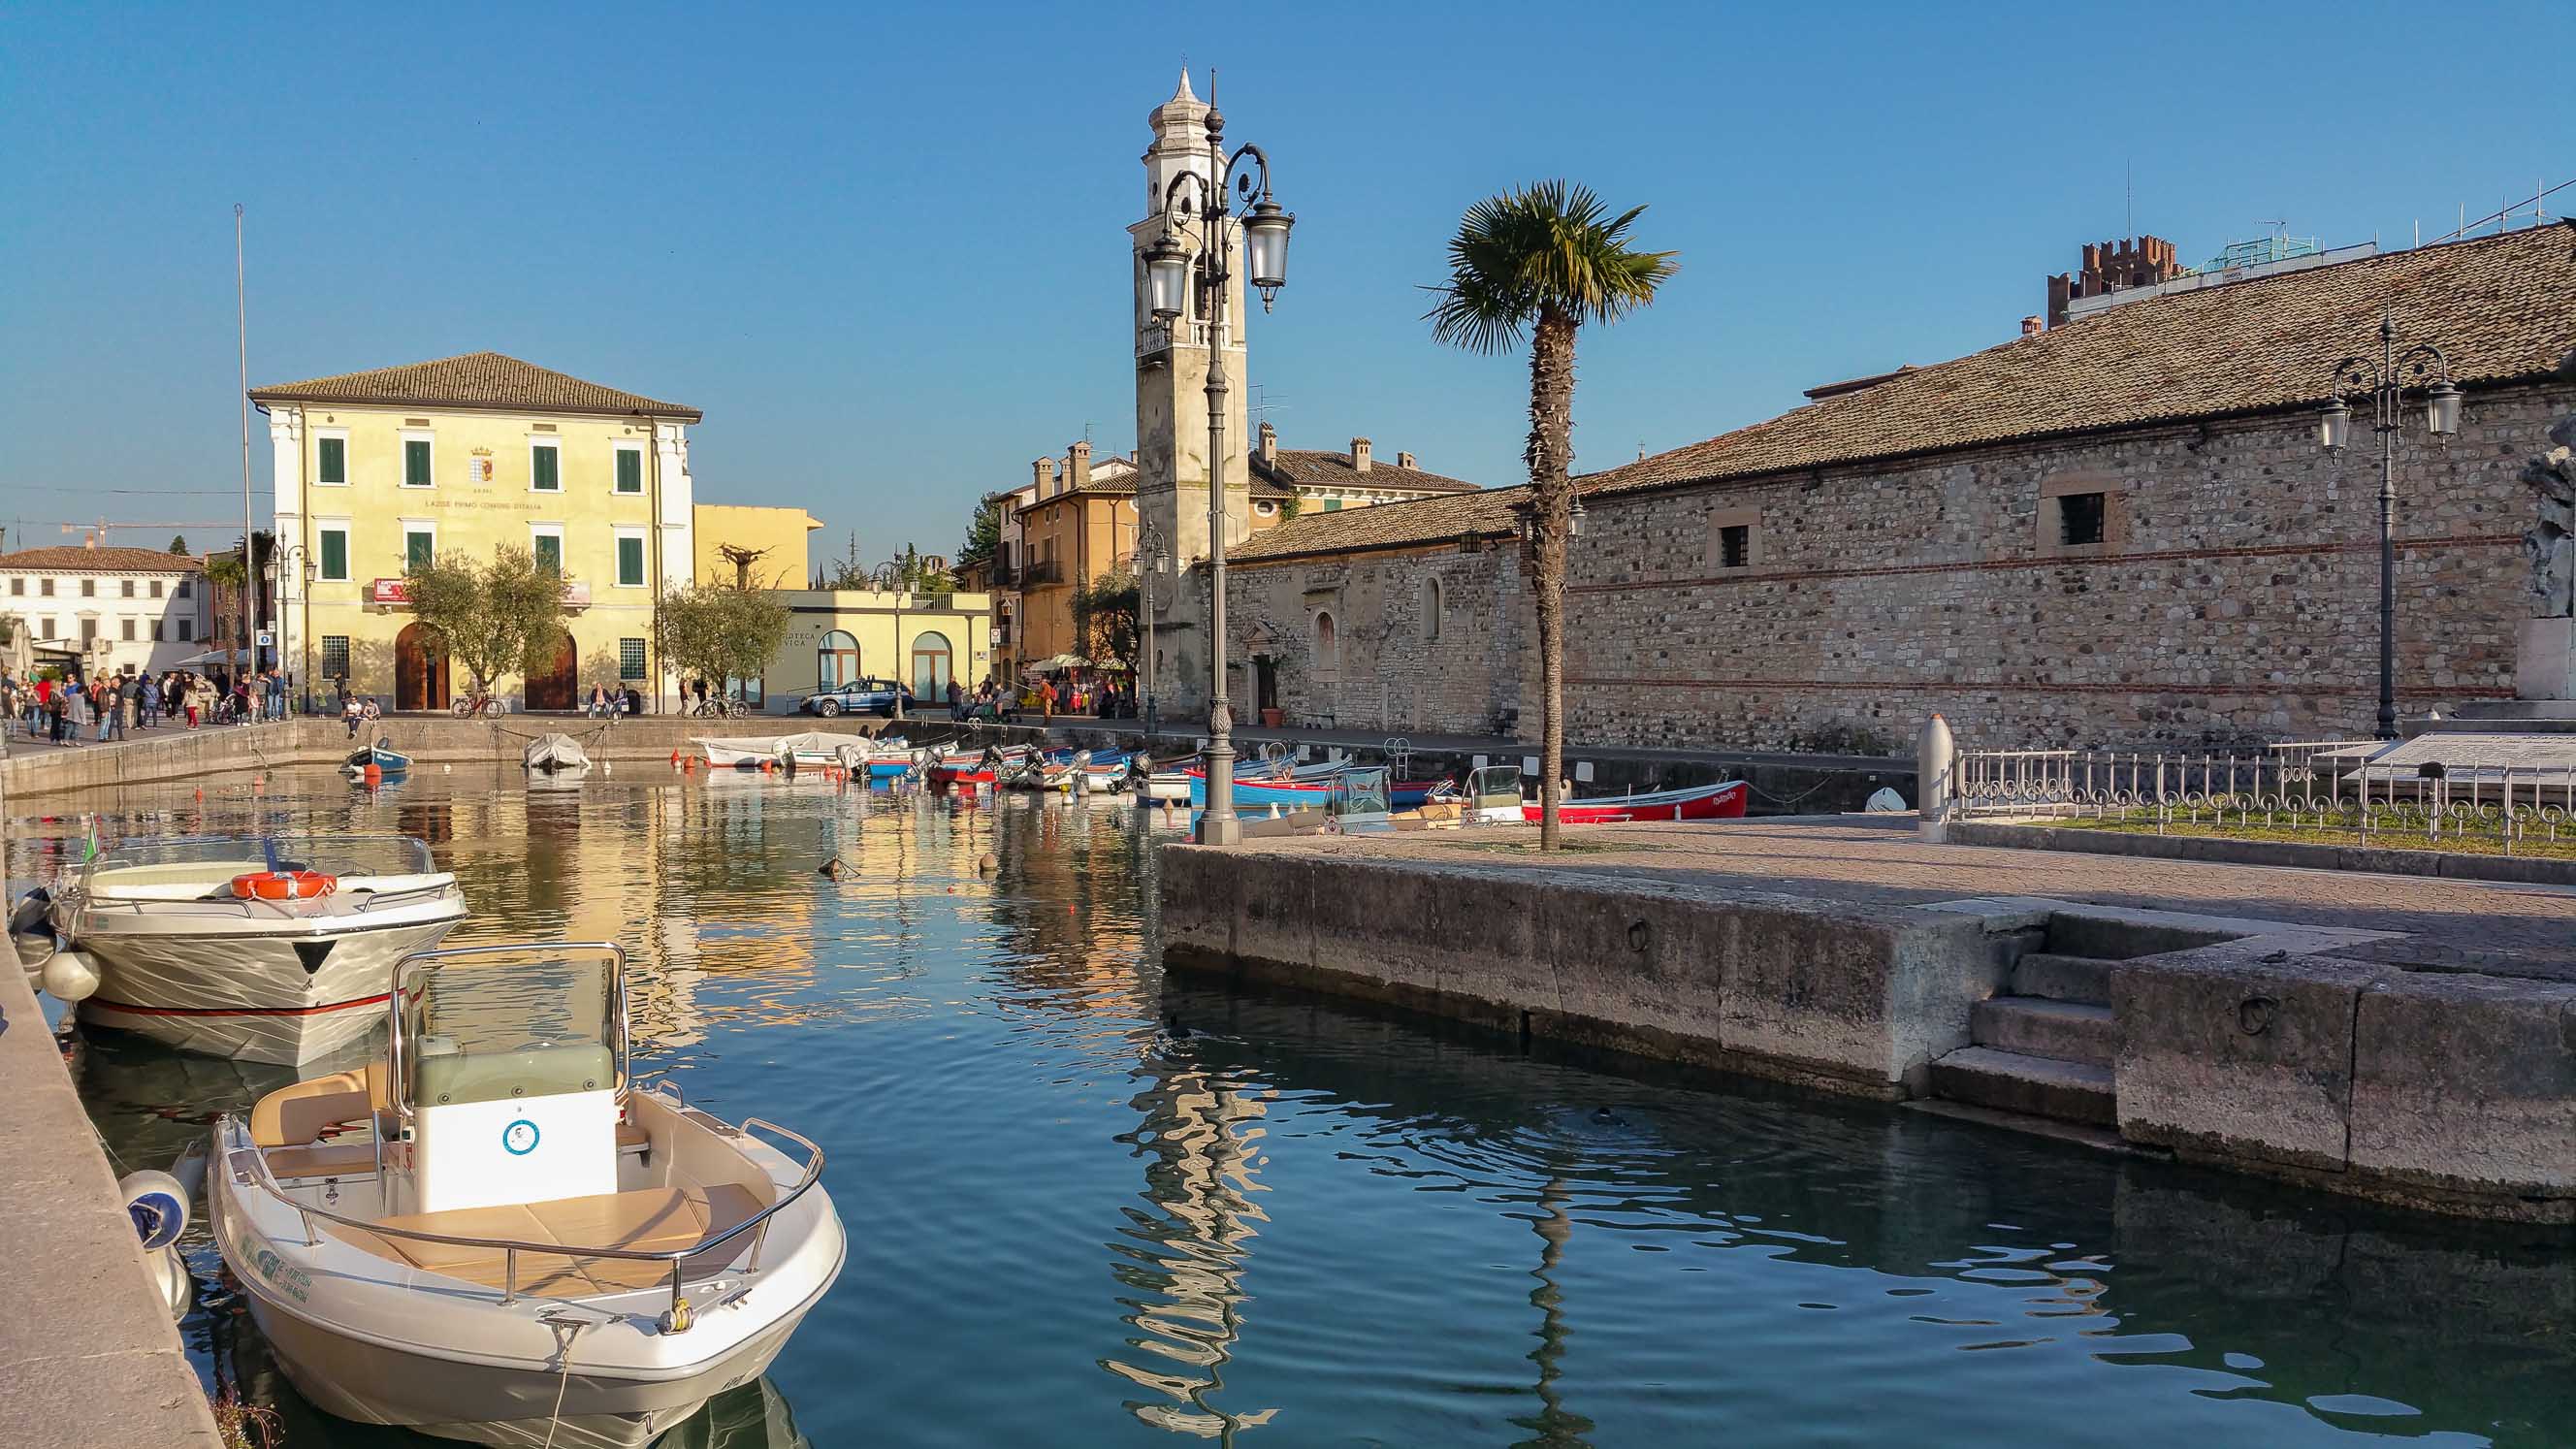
(1551, 447)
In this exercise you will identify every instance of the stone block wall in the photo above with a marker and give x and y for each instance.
(1387, 666)
(2234, 598)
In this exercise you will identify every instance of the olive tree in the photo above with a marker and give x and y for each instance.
(491, 617)
(718, 632)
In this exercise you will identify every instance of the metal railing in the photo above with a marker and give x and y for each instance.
(255, 1173)
(2331, 785)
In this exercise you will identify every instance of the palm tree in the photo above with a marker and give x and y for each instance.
(1545, 259)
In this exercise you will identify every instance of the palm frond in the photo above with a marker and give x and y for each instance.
(1544, 245)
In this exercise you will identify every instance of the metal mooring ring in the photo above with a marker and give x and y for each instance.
(1639, 933)
(2254, 1014)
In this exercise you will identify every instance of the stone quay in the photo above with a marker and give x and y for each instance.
(2404, 1039)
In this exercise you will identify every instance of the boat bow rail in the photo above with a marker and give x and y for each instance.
(249, 1169)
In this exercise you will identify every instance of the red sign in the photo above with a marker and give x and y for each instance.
(389, 591)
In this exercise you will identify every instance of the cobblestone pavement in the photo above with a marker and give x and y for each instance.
(2479, 925)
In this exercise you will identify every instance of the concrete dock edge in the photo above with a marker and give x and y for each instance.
(88, 1354)
(2381, 860)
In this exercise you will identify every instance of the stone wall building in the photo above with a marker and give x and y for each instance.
(2116, 533)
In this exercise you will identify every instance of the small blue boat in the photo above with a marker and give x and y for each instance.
(382, 755)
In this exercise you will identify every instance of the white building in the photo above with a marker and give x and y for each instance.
(117, 610)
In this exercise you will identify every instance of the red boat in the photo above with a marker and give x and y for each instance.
(1697, 802)
(961, 769)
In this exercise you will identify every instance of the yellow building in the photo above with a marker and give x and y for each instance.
(377, 471)
(769, 544)
(846, 635)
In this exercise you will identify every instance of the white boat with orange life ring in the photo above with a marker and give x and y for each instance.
(263, 949)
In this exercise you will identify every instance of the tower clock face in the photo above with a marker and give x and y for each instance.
(519, 1138)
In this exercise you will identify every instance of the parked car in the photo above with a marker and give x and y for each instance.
(859, 696)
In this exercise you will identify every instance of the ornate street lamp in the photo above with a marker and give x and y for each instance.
(1263, 231)
(2383, 380)
(1149, 567)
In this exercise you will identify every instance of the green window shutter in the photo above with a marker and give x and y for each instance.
(1332, 505)
(630, 562)
(630, 470)
(550, 555)
(335, 554)
(417, 550)
(547, 479)
(416, 462)
(333, 466)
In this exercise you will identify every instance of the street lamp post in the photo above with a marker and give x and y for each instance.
(286, 565)
(1168, 267)
(891, 579)
(1149, 563)
(2383, 380)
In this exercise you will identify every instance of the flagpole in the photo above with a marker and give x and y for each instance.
(250, 561)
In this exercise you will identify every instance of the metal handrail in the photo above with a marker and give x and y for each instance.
(266, 1181)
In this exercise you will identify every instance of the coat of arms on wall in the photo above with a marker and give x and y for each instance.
(478, 466)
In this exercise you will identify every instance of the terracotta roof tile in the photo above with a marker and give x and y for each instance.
(475, 380)
(72, 559)
(1412, 524)
(1324, 468)
(2502, 308)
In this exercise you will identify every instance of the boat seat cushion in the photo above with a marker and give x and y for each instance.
(323, 1159)
(301, 1112)
(651, 1219)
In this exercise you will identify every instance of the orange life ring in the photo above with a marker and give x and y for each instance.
(284, 885)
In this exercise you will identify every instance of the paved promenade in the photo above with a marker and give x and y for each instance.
(88, 1354)
(2502, 929)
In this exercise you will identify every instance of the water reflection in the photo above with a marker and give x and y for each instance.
(1088, 1205)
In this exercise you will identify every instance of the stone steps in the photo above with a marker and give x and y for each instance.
(2033, 1085)
(2039, 1027)
(2064, 978)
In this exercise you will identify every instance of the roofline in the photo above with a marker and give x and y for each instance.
(267, 395)
(2563, 372)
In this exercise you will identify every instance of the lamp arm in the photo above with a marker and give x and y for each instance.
(2357, 374)
(2413, 359)
(1243, 184)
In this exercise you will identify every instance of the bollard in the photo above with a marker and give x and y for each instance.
(1935, 757)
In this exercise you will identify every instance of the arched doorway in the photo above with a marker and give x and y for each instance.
(836, 661)
(930, 662)
(420, 670)
(552, 674)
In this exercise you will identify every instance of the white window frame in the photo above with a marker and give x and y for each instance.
(554, 531)
(410, 526)
(617, 563)
(342, 435)
(552, 441)
(340, 526)
(402, 461)
(640, 485)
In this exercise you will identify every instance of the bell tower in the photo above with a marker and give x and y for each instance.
(1173, 469)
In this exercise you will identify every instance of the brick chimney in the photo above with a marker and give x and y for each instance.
(2033, 325)
(1404, 460)
(1269, 449)
(1078, 466)
(1043, 475)
(1359, 455)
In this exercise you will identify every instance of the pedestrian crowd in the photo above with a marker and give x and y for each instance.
(72, 710)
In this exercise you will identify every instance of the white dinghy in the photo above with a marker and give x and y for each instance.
(491, 1235)
(268, 949)
(549, 753)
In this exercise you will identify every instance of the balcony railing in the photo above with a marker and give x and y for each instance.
(1047, 571)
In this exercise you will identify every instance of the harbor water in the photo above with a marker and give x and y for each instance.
(1088, 1206)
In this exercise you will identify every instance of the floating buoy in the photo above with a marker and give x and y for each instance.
(375, 774)
(158, 1204)
(201, 794)
(69, 977)
(675, 759)
(447, 769)
(606, 768)
(985, 864)
(259, 782)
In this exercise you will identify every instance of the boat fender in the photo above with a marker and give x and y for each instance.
(158, 1204)
(178, 1288)
(190, 1168)
(69, 977)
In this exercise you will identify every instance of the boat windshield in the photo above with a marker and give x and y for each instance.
(482, 1023)
(214, 857)
(1496, 785)
(1360, 791)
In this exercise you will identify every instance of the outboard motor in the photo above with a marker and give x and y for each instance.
(34, 914)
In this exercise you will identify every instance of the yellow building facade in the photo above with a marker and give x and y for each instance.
(841, 636)
(378, 471)
(774, 537)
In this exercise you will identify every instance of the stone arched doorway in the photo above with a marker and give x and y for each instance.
(553, 675)
(420, 670)
(930, 665)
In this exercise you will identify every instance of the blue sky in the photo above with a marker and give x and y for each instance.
(883, 247)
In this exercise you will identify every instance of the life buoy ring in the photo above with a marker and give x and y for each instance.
(284, 885)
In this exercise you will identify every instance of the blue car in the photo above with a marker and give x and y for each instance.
(859, 696)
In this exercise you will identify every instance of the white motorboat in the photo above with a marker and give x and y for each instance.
(266, 949)
(740, 752)
(549, 753)
(492, 1235)
(809, 747)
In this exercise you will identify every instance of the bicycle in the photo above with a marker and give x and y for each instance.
(730, 707)
(478, 703)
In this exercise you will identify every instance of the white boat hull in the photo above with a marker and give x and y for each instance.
(225, 984)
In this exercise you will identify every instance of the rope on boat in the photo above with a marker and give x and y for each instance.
(566, 1330)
